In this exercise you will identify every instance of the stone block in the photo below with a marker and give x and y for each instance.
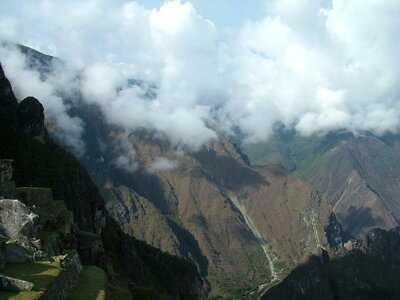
(13, 284)
(16, 220)
(15, 252)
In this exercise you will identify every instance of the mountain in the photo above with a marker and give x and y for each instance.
(77, 219)
(233, 221)
(359, 175)
(244, 228)
(366, 269)
(291, 218)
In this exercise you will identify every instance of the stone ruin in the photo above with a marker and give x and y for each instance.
(19, 227)
(6, 170)
(7, 186)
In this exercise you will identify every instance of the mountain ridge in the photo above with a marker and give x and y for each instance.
(359, 175)
(203, 203)
(133, 268)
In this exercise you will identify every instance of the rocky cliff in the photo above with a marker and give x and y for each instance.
(132, 267)
(359, 175)
(40, 162)
(362, 269)
(244, 228)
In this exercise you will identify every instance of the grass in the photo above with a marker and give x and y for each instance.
(146, 293)
(302, 156)
(41, 274)
(176, 219)
(90, 285)
(47, 238)
(119, 293)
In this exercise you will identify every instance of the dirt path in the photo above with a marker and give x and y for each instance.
(344, 192)
(267, 248)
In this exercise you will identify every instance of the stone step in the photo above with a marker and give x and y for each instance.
(34, 195)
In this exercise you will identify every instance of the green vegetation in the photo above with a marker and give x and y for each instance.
(91, 285)
(145, 265)
(41, 274)
(119, 293)
(168, 270)
(176, 219)
(310, 165)
(47, 238)
(239, 286)
(300, 155)
(146, 293)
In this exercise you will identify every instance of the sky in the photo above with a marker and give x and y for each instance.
(314, 66)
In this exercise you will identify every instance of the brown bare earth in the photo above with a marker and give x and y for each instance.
(243, 227)
(361, 183)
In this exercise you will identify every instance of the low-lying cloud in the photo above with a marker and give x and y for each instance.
(162, 164)
(312, 67)
(319, 69)
(50, 91)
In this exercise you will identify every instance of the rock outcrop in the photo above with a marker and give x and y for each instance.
(13, 284)
(31, 119)
(7, 98)
(370, 269)
(16, 220)
(335, 234)
(18, 252)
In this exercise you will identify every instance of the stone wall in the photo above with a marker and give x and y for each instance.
(34, 196)
(66, 280)
(6, 170)
(7, 186)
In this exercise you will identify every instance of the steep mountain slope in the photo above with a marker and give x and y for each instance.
(243, 227)
(230, 219)
(360, 176)
(367, 269)
(38, 161)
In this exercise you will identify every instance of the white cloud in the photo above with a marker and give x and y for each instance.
(27, 82)
(311, 66)
(100, 84)
(125, 153)
(162, 164)
(319, 70)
